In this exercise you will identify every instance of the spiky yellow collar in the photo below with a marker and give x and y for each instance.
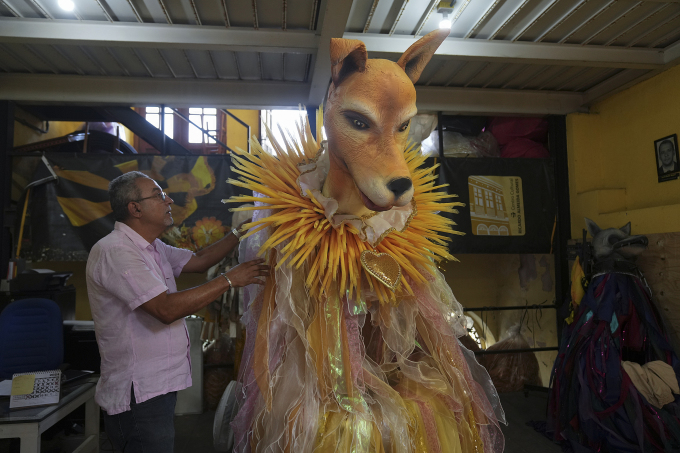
(331, 244)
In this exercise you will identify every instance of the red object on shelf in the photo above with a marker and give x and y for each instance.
(520, 136)
(522, 147)
(507, 129)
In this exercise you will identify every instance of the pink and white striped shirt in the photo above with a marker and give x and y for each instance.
(123, 272)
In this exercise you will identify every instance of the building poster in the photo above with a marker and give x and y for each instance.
(496, 205)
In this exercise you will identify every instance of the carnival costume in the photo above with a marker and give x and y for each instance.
(594, 405)
(309, 381)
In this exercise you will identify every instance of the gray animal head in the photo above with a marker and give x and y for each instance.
(615, 243)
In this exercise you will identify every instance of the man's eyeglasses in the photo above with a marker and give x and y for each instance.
(160, 195)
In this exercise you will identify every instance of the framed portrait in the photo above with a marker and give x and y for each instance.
(667, 160)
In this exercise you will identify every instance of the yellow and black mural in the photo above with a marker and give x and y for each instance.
(66, 217)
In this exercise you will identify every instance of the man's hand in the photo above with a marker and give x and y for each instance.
(240, 227)
(246, 273)
(169, 307)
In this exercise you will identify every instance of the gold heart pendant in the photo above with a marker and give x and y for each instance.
(383, 267)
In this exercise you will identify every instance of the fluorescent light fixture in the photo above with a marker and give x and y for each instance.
(66, 5)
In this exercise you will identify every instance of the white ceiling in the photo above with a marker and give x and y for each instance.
(502, 56)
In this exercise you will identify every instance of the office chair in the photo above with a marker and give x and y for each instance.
(31, 337)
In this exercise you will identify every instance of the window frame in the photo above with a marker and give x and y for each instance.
(180, 134)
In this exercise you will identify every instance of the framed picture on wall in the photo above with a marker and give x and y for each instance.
(509, 204)
(667, 160)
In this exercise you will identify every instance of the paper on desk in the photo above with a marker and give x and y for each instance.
(5, 387)
(23, 384)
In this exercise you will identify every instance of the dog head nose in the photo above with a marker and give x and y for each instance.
(399, 185)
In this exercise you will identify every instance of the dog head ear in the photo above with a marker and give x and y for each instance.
(592, 227)
(347, 57)
(416, 57)
(626, 229)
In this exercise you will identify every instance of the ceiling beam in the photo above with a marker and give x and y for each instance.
(335, 16)
(672, 53)
(479, 101)
(616, 84)
(139, 91)
(159, 36)
(523, 52)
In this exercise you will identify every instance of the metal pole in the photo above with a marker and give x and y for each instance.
(514, 307)
(515, 351)
(557, 138)
(440, 131)
(6, 145)
(163, 127)
(87, 136)
(23, 221)
(311, 115)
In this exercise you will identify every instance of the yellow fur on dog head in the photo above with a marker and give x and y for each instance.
(367, 116)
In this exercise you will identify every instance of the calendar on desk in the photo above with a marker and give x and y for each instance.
(38, 388)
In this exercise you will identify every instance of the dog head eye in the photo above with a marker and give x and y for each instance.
(359, 124)
(404, 126)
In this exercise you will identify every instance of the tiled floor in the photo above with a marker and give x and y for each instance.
(194, 433)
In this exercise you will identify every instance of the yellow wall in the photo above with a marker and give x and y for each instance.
(24, 135)
(236, 133)
(612, 163)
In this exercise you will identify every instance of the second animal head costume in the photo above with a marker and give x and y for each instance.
(352, 345)
(615, 378)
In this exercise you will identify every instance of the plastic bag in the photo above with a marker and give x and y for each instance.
(470, 126)
(422, 126)
(486, 145)
(510, 371)
(459, 145)
(455, 145)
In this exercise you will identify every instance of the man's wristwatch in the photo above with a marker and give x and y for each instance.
(224, 274)
(236, 233)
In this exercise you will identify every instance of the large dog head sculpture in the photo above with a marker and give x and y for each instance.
(615, 243)
(367, 115)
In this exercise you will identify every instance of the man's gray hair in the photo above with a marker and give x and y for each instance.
(123, 190)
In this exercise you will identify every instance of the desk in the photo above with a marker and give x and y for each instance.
(29, 423)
